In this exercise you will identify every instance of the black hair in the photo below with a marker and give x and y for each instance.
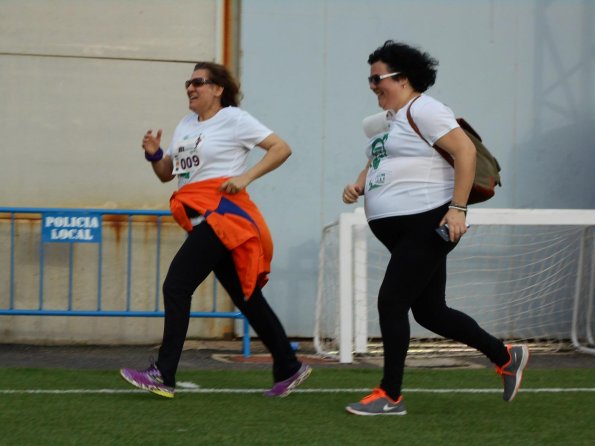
(221, 76)
(417, 66)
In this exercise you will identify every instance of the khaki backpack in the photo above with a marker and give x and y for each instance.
(487, 169)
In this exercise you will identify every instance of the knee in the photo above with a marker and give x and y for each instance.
(423, 318)
(392, 307)
(174, 291)
(169, 287)
(428, 317)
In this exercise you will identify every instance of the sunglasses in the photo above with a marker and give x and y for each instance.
(197, 82)
(377, 78)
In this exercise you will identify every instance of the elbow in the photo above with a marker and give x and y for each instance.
(471, 148)
(288, 151)
(469, 151)
(284, 151)
(166, 178)
(473, 152)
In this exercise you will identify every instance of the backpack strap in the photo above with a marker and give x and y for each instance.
(443, 153)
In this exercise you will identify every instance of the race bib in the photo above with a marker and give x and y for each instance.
(185, 157)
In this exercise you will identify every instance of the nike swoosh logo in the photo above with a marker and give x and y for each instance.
(388, 407)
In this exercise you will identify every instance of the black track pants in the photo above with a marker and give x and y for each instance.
(415, 279)
(202, 253)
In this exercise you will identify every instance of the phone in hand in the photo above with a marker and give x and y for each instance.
(442, 231)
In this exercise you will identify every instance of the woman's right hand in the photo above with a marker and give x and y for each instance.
(151, 143)
(351, 193)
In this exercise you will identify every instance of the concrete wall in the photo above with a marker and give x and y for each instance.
(80, 82)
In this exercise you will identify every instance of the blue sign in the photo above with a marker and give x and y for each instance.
(70, 227)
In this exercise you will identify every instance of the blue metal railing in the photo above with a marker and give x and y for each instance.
(14, 309)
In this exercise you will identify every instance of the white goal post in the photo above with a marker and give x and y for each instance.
(524, 274)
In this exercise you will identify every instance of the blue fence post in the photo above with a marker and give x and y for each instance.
(99, 271)
(41, 263)
(246, 337)
(70, 273)
(12, 268)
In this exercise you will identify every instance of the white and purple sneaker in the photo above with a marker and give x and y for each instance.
(283, 388)
(149, 379)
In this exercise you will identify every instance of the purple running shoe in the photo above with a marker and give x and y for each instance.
(149, 379)
(283, 388)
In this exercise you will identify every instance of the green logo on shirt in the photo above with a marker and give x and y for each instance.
(378, 150)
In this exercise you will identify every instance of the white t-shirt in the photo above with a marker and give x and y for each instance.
(217, 147)
(406, 175)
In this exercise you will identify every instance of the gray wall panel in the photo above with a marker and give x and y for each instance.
(147, 29)
(80, 83)
(72, 130)
(520, 71)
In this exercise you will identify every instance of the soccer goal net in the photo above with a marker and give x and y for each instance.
(523, 275)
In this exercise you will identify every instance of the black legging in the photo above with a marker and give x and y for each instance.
(415, 279)
(202, 253)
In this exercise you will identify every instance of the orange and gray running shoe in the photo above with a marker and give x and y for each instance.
(512, 371)
(378, 403)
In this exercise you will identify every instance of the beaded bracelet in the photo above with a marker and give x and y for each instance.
(155, 157)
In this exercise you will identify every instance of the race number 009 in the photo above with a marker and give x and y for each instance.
(189, 162)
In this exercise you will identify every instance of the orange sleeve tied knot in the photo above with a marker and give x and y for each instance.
(236, 221)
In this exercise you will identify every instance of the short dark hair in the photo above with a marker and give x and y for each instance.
(417, 66)
(221, 76)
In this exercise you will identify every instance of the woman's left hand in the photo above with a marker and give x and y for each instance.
(456, 222)
(234, 184)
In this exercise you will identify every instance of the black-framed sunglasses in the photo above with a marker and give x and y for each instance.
(197, 82)
(377, 78)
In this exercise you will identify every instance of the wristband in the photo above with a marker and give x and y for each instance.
(458, 207)
(155, 157)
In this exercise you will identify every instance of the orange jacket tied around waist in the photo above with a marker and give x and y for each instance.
(236, 221)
